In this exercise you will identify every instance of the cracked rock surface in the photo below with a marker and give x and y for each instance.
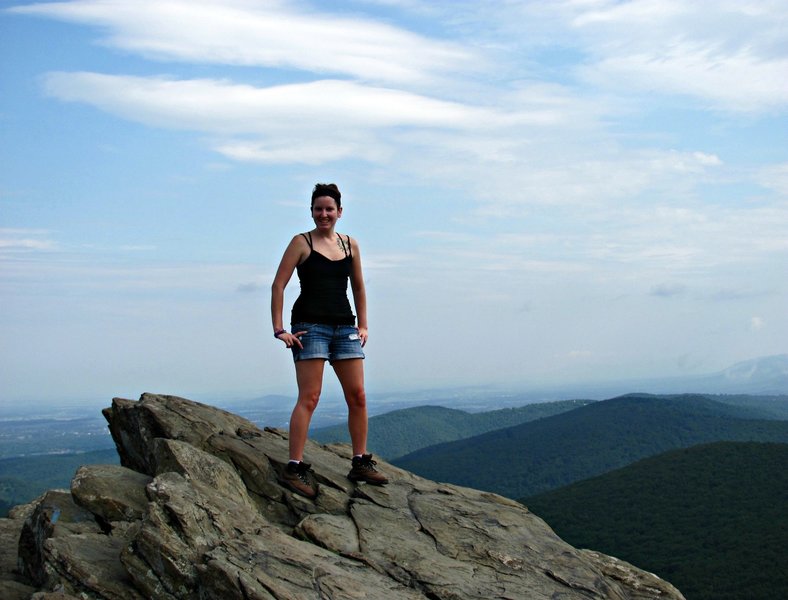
(196, 511)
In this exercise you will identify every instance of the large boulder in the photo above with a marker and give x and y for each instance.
(197, 511)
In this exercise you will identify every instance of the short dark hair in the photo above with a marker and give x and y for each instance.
(327, 189)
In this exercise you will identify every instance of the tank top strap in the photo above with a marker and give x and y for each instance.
(308, 239)
(347, 249)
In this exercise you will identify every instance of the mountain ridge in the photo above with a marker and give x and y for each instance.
(587, 441)
(403, 431)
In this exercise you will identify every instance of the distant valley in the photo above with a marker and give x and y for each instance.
(24, 478)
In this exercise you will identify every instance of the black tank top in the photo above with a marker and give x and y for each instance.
(323, 297)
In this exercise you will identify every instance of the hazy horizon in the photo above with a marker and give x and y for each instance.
(479, 396)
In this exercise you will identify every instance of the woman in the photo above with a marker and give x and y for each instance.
(323, 328)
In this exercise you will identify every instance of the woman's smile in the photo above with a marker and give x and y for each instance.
(325, 211)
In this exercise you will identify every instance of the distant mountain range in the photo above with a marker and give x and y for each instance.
(546, 454)
(533, 446)
(761, 376)
(689, 485)
(711, 518)
(401, 432)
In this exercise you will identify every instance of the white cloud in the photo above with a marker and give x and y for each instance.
(775, 177)
(729, 54)
(724, 54)
(20, 240)
(310, 123)
(222, 106)
(707, 72)
(757, 323)
(544, 142)
(82, 273)
(25, 244)
(270, 34)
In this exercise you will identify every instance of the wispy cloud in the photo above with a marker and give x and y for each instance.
(667, 290)
(774, 177)
(251, 287)
(701, 49)
(284, 122)
(90, 274)
(706, 72)
(22, 240)
(655, 49)
(435, 117)
(269, 34)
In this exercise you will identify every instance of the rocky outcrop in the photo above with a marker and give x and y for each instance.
(196, 511)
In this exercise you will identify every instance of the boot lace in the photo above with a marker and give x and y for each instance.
(366, 463)
(302, 470)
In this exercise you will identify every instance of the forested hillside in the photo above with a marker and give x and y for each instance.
(599, 437)
(400, 432)
(710, 519)
(766, 407)
(24, 478)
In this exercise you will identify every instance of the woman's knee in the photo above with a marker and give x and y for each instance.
(356, 398)
(308, 400)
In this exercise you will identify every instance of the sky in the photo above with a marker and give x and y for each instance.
(543, 192)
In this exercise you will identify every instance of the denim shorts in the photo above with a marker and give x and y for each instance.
(329, 342)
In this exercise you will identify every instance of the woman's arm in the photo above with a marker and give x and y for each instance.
(359, 292)
(293, 255)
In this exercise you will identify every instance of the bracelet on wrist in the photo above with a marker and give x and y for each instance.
(279, 332)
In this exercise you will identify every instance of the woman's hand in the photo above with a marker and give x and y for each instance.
(363, 334)
(291, 339)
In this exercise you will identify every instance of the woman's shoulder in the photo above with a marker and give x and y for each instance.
(348, 239)
(300, 243)
(302, 238)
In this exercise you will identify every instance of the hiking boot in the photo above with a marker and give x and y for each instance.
(298, 477)
(364, 470)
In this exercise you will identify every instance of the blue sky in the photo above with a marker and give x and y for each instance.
(544, 192)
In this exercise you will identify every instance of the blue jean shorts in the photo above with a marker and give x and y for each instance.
(329, 342)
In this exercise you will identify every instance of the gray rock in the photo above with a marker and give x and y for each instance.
(55, 516)
(53, 596)
(14, 590)
(335, 532)
(134, 426)
(203, 516)
(642, 584)
(13, 584)
(111, 492)
(89, 563)
(9, 542)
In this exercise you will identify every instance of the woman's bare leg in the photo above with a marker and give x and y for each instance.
(350, 373)
(309, 376)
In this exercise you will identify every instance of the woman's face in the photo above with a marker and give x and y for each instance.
(325, 212)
